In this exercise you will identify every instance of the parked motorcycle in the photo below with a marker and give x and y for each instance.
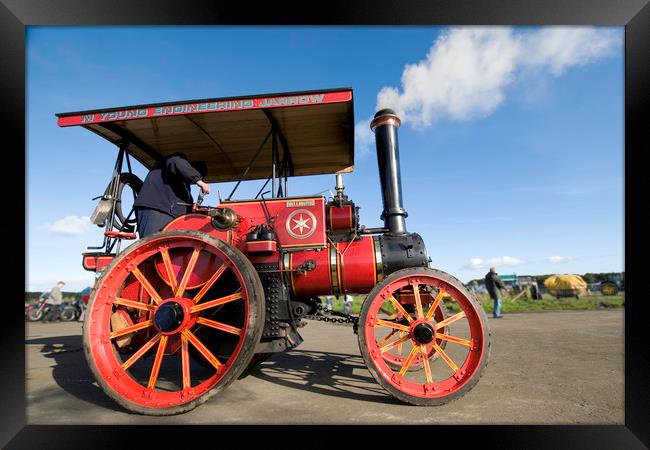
(68, 312)
(71, 311)
(28, 308)
(36, 312)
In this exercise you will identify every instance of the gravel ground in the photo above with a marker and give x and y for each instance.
(546, 368)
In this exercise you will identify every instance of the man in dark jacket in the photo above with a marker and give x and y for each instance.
(166, 193)
(493, 284)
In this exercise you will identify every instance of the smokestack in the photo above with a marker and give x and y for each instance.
(385, 126)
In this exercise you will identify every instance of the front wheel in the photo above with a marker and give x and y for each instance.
(457, 367)
(35, 314)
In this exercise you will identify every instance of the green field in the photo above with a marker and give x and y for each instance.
(547, 303)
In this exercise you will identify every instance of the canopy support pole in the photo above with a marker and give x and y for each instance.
(274, 153)
(213, 140)
(250, 163)
(130, 137)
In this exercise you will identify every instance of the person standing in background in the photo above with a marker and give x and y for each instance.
(54, 300)
(347, 304)
(494, 286)
(328, 303)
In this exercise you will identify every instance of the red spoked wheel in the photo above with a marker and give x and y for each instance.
(449, 372)
(173, 320)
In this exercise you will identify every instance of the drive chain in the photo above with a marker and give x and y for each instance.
(334, 317)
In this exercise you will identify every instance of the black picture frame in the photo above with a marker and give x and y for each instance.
(634, 15)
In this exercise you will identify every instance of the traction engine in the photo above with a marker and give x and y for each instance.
(177, 316)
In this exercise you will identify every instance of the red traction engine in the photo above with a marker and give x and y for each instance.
(177, 316)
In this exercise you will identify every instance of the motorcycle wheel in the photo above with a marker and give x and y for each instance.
(68, 314)
(35, 315)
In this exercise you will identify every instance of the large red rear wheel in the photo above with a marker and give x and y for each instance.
(172, 321)
(449, 371)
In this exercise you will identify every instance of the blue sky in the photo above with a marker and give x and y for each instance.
(511, 147)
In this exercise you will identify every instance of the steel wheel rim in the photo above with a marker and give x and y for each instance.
(111, 366)
(428, 388)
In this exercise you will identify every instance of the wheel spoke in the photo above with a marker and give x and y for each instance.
(387, 338)
(168, 267)
(144, 349)
(185, 362)
(400, 308)
(133, 304)
(219, 325)
(409, 360)
(435, 303)
(180, 290)
(216, 302)
(457, 340)
(131, 329)
(418, 301)
(207, 354)
(157, 362)
(399, 346)
(450, 320)
(397, 326)
(206, 287)
(395, 343)
(146, 285)
(445, 357)
(425, 361)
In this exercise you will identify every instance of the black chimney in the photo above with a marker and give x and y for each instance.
(385, 126)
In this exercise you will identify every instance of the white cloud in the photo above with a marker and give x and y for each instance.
(557, 48)
(499, 261)
(70, 225)
(363, 137)
(559, 259)
(467, 70)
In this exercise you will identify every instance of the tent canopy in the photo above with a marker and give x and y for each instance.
(239, 138)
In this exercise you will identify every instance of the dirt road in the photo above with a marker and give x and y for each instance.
(546, 368)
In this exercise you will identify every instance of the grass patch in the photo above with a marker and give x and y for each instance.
(549, 303)
(546, 303)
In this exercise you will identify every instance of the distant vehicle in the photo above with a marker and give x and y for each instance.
(613, 284)
(37, 311)
(28, 308)
(608, 288)
(71, 311)
(522, 282)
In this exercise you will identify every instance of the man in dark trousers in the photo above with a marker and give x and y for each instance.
(493, 284)
(166, 193)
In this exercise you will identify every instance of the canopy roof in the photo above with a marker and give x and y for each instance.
(312, 132)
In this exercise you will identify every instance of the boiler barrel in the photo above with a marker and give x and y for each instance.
(343, 267)
(352, 266)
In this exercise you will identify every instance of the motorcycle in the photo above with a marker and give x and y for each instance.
(37, 311)
(28, 308)
(71, 311)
